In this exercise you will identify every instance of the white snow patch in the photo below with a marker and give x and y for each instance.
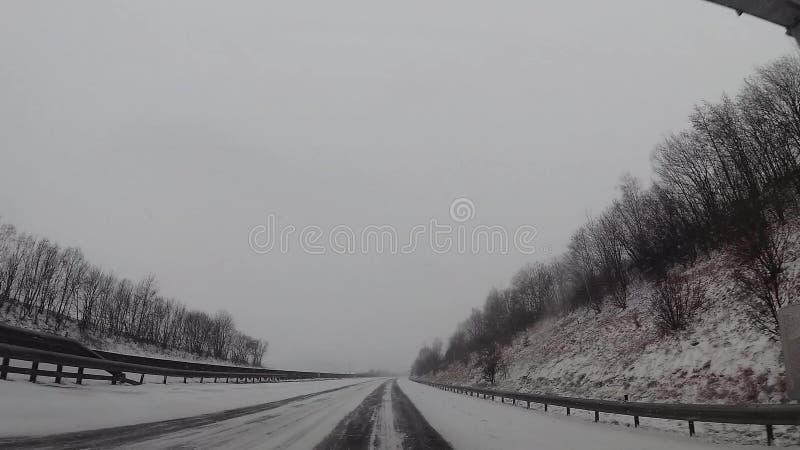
(385, 435)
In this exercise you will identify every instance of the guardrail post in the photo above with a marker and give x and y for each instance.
(597, 416)
(529, 404)
(770, 437)
(79, 376)
(568, 410)
(201, 380)
(141, 379)
(184, 380)
(691, 428)
(34, 369)
(59, 368)
(4, 369)
(215, 379)
(545, 407)
(165, 379)
(636, 421)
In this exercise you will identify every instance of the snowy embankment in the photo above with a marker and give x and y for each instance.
(472, 423)
(41, 409)
(722, 358)
(117, 344)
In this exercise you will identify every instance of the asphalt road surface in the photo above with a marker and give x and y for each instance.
(374, 414)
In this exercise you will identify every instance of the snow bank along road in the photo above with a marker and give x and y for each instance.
(472, 423)
(334, 414)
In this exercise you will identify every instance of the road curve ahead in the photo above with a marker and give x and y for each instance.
(369, 415)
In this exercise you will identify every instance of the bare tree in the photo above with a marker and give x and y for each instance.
(761, 257)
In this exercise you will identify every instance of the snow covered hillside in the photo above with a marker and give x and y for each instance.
(721, 358)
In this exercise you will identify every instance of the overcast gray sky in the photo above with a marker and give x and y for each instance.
(155, 135)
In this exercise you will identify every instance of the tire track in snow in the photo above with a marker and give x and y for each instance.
(385, 420)
(385, 435)
(355, 430)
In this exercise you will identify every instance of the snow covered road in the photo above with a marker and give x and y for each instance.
(472, 423)
(385, 420)
(297, 422)
(364, 414)
(373, 413)
(48, 408)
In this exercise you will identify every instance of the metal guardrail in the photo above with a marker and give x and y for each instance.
(195, 366)
(24, 337)
(117, 369)
(767, 415)
(36, 347)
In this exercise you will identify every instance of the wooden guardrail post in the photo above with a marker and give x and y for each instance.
(567, 410)
(691, 428)
(59, 368)
(79, 376)
(597, 416)
(165, 379)
(34, 371)
(141, 379)
(4, 369)
(770, 437)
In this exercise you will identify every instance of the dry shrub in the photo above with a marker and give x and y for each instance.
(675, 302)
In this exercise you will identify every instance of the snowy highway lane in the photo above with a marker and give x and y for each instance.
(367, 414)
(381, 414)
(296, 422)
(472, 423)
(49, 408)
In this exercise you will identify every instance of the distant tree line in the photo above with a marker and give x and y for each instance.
(41, 281)
(730, 180)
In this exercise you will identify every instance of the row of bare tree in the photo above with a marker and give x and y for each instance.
(730, 180)
(41, 281)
